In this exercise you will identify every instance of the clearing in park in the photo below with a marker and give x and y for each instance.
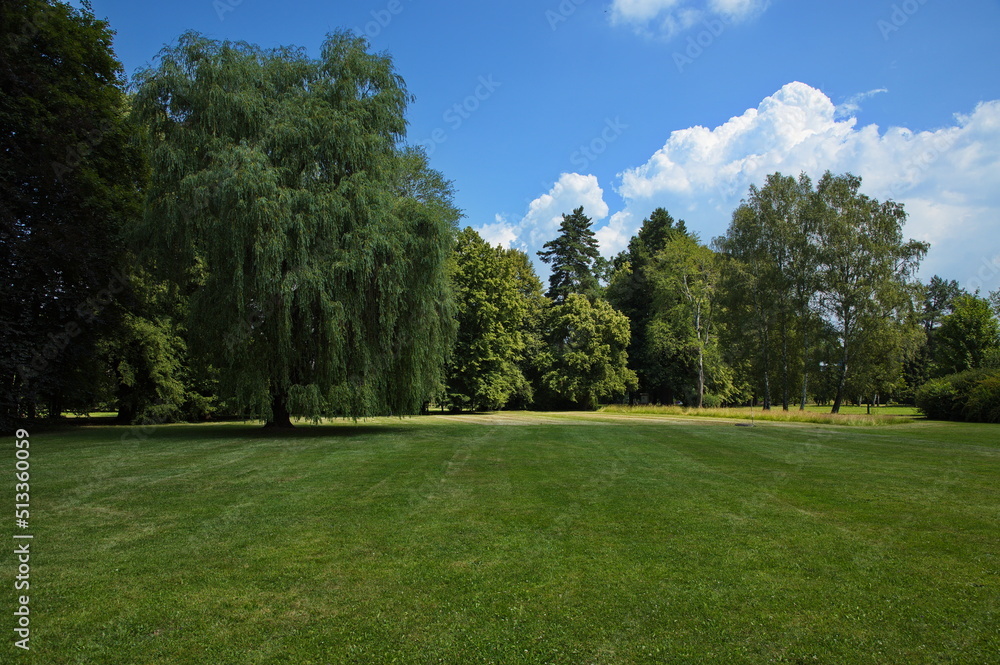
(518, 538)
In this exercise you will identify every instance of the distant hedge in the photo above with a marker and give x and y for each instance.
(973, 396)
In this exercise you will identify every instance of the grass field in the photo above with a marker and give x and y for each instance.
(516, 538)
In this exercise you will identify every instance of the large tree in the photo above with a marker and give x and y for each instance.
(684, 298)
(316, 247)
(630, 292)
(69, 180)
(586, 355)
(935, 301)
(968, 337)
(772, 274)
(485, 369)
(865, 269)
(572, 256)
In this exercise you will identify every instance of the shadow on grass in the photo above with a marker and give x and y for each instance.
(110, 429)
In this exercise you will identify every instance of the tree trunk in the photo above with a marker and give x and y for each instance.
(280, 418)
(785, 381)
(55, 405)
(841, 383)
(127, 407)
(805, 370)
(767, 370)
(701, 378)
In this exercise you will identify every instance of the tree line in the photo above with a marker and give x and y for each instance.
(243, 231)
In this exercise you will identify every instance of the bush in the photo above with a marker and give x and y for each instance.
(983, 405)
(937, 399)
(711, 401)
(973, 396)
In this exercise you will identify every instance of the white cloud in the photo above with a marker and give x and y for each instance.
(613, 237)
(948, 179)
(853, 104)
(668, 18)
(500, 232)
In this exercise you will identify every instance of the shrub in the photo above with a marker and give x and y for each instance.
(983, 405)
(711, 401)
(973, 396)
(937, 399)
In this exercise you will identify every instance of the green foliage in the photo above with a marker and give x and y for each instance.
(865, 271)
(805, 264)
(659, 370)
(71, 174)
(572, 256)
(154, 378)
(983, 403)
(586, 356)
(771, 282)
(684, 280)
(935, 300)
(938, 399)
(493, 289)
(973, 395)
(316, 249)
(968, 337)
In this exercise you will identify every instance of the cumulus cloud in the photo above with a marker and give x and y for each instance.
(500, 232)
(948, 179)
(668, 18)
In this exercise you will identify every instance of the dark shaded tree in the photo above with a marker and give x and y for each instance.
(630, 292)
(70, 174)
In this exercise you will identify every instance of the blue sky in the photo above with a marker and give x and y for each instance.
(534, 108)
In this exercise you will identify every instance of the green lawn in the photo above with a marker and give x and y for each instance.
(571, 538)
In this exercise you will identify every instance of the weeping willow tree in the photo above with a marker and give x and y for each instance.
(314, 245)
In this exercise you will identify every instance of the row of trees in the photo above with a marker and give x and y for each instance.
(518, 347)
(809, 296)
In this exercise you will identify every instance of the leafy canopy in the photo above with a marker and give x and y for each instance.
(316, 247)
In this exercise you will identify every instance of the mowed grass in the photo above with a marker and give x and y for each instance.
(521, 538)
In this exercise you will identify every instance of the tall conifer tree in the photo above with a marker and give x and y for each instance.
(572, 255)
